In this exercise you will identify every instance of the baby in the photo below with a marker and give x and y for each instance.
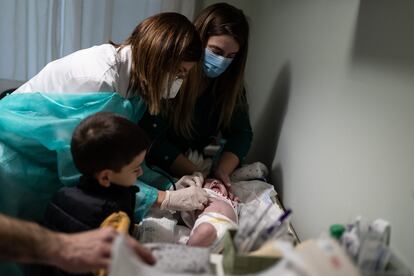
(209, 226)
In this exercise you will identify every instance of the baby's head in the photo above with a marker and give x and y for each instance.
(216, 185)
(109, 148)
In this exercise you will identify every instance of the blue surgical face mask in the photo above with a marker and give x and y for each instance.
(214, 65)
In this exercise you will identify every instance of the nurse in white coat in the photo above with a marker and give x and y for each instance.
(152, 64)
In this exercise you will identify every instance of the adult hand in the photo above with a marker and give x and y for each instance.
(89, 251)
(233, 197)
(196, 179)
(224, 177)
(185, 199)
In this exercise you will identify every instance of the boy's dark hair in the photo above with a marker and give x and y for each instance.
(106, 141)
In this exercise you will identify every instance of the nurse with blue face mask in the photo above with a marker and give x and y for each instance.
(214, 64)
(215, 97)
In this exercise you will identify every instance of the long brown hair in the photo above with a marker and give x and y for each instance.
(215, 20)
(159, 44)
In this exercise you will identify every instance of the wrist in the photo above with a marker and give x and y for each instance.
(222, 169)
(54, 251)
(165, 204)
(161, 197)
(227, 163)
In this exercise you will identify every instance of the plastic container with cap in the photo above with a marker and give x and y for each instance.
(336, 231)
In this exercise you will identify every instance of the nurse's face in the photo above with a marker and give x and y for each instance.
(223, 45)
(180, 75)
(185, 67)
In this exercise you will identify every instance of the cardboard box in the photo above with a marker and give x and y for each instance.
(234, 263)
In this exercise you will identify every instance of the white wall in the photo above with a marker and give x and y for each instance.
(128, 13)
(331, 93)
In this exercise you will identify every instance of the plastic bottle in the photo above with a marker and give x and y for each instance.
(337, 230)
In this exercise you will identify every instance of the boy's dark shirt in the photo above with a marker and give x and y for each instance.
(85, 206)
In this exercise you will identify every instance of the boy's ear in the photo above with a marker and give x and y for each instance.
(104, 178)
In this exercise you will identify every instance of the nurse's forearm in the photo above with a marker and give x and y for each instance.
(183, 166)
(228, 162)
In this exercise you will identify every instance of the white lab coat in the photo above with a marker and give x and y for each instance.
(99, 68)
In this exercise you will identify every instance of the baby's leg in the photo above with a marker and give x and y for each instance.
(203, 235)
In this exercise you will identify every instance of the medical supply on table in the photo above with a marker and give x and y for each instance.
(246, 230)
(374, 254)
(368, 246)
(235, 262)
(382, 228)
(178, 258)
(268, 249)
(321, 257)
(251, 236)
(172, 259)
(272, 232)
(350, 242)
(157, 230)
(258, 210)
(336, 231)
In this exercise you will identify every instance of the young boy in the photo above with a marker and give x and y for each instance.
(108, 150)
(210, 225)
